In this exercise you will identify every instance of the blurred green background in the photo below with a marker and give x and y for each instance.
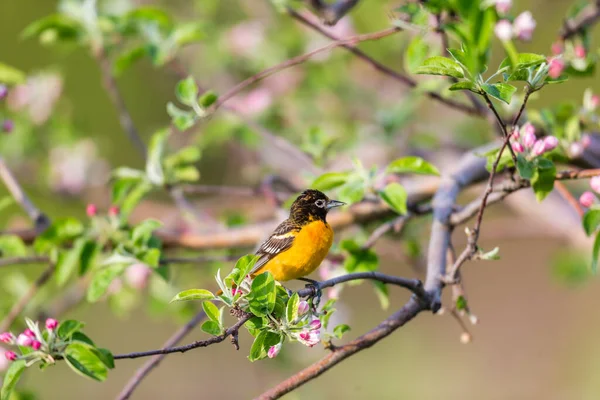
(537, 336)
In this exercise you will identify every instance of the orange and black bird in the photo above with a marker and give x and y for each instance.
(300, 243)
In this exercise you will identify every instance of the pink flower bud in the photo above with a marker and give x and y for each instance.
(586, 140)
(517, 147)
(550, 143)
(557, 48)
(580, 51)
(539, 148)
(3, 91)
(309, 338)
(587, 199)
(515, 134)
(36, 345)
(303, 307)
(595, 184)
(113, 211)
(556, 68)
(137, 275)
(51, 324)
(503, 30)
(8, 125)
(315, 324)
(595, 101)
(236, 291)
(7, 337)
(24, 340)
(503, 6)
(10, 355)
(274, 350)
(528, 135)
(575, 149)
(91, 210)
(524, 25)
(29, 332)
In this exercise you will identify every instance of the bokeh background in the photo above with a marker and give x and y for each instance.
(538, 332)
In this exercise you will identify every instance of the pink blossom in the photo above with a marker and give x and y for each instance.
(10, 355)
(556, 68)
(595, 184)
(516, 134)
(36, 345)
(8, 125)
(517, 147)
(587, 199)
(113, 211)
(274, 350)
(503, 6)
(309, 338)
(503, 30)
(586, 140)
(137, 275)
(524, 25)
(594, 101)
(24, 340)
(557, 48)
(91, 210)
(529, 138)
(580, 51)
(575, 149)
(539, 148)
(315, 324)
(550, 143)
(51, 324)
(303, 307)
(3, 91)
(29, 332)
(7, 337)
(4, 363)
(235, 291)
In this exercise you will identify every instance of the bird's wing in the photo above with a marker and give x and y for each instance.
(280, 240)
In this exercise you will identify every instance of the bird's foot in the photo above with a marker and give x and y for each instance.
(315, 297)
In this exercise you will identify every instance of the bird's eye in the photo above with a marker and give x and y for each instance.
(320, 203)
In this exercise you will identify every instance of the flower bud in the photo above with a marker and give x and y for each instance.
(7, 337)
(29, 332)
(274, 350)
(594, 101)
(587, 199)
(10, 355)
(524, 25)
(517, 147)
(36, 345)
(24, 340)
(51, 324)
(315, 324)
(557, 48)
(529, 137)
(503, 30)
(465, 338)
(137, 275)
(586, 140)
(580, 51)
(91, 210)
(8, 125)
(550, 143)
(303, 307)
(515, 134)
(575, 149)
(3, 91)
(595, 184)
(539, 148)
(503, 6)
(556, 67)
(113, 211)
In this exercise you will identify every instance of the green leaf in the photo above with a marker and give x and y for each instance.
(262, 343)
(595, 251)
(81, 337)
(461, 303)
(187, 33)
(262, 296)
(358, 259)
(525, 167)
(186, 91)
(143, 231)
(87, 256)
(11, 378)
(524, 60)
(339, 330)
(187, 155)
(591, 221)
(415, 55)
(61, 26)
(128, 173)
(330, 180)
(85, 361)
(211, 327)
(212, 312)
(193, 294)
(133, 198)
(119, 258)
(441, 66)
(255, 325)
(10, 75)
(188, 173)
(102, 280)
(127, 58)
(491, 255)
(105, 356)
(500, 91)
(67, 328)
(154, 169)
(395, 196)
(243, 266)
(151, 257)
(12, 246)
(182, 119)
(381, 290)
(291, 309)
(68, 261)
(464, 85)
(207, 99)
(412, 164)
(149, 14)
(542, 181)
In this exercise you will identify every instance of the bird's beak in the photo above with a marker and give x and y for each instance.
(334, 203)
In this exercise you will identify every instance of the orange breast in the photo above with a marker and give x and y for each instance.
(309, 249)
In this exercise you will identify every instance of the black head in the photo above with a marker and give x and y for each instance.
(311, 205)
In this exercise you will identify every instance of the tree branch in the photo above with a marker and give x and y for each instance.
(586, 18)
(332, 13)
(5, 262)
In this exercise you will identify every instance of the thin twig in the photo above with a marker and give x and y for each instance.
(4, 262)
(502, 124)
(564, 192)
(152, 363)
(40, 220)
(20, 305)
(405, 80)
(397, 224)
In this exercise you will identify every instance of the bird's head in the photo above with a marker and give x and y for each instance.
(312, 205)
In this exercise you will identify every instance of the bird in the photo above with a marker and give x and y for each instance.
(301, 242)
